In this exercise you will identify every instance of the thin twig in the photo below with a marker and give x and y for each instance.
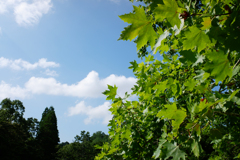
(236, 64)
(194, 14)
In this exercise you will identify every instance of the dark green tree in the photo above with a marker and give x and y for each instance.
(47, 135)
(17, 134)
(99, 137)
(12, 111)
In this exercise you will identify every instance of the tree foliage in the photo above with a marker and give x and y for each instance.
(83, 148)
(47, 135)
(189, 102)
(17, 134)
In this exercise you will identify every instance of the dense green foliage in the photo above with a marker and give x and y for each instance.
(16, 133)
(188, 103)
(28, 139)
(47, 136)
(83, 148)
(22, 138)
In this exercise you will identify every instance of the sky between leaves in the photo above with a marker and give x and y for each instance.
(63, 53)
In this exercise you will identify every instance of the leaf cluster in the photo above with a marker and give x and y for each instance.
(189, 102)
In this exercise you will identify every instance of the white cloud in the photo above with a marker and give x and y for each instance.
(51, 73)
(7, 91)
(29, 14)
(20, 64)
(26, 12)
(91, 86)
(94, 113)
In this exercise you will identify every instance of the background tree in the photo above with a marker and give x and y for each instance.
(189, 103)
(47, 135)
(17, 134)
(83, 147)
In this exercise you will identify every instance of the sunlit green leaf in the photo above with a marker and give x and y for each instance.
(195, 38)
(168, 10)
(141, 27)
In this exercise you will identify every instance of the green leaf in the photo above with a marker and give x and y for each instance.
(187, 56)
(190, 84)
(235, 71)
(157, 152)
(168, 10)
(134, 65)
(171, 112)
(206, 23)
(233, 94)
(202, 76)
(149, 58)
(202, 105)
(126, 134)
(195, 146)
(236, 100)
(195, 38)
(111, 93)
(219, 65)
(190, 125)
(174, 152)
(160, 87)
(160, 39)
(238, 156)
(141, 27)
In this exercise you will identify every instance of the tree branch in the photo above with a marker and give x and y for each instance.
(236, 64)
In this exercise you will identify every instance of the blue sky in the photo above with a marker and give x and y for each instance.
(63, 53)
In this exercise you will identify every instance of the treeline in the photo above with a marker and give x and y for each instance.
(83, 147)
(22, 138)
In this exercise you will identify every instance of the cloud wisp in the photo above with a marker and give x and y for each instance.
(89, 87)
(26, 12)
(20, 64)
(51, 73)
(94, 114)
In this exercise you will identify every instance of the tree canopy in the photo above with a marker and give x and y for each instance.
(16, 133)
(47, 135)
(189, 102)
(23, 139)
(83, 148)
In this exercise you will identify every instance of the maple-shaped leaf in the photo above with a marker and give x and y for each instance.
(149, 58)
(171, 112)
(195, 38)
(190, 84)
(202, 105)
(111, 93)
(174, 152)
(168, 10)
(134, 65)
(206, 23)
(219, 65)
(141, 27)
